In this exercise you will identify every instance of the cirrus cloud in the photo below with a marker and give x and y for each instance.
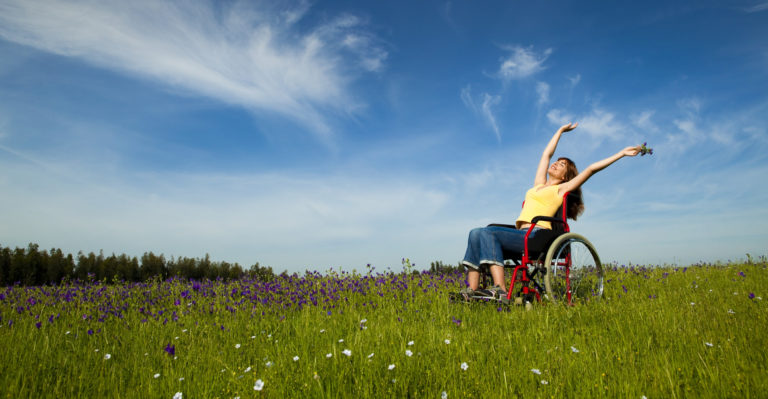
(251, 54)
(522, 62)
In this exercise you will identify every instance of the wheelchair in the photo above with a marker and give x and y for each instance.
(557, 265)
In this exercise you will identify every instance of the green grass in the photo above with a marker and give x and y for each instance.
(674, 332)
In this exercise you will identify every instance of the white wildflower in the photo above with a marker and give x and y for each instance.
(295, 358)
(347, 352)
(464, 366)
(157, 375)
(574, 350)
(259, 385)
(178, 395)
(391, 367)
(408, 353)
(536, 371)
(107, 356)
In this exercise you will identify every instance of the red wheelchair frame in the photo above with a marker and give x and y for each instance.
(550, 257)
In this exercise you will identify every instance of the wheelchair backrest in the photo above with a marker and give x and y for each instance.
(562, 213)
(544, 238)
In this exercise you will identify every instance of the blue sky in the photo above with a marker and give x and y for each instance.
(310, 135)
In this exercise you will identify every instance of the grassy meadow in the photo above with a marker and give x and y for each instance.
(659, 332)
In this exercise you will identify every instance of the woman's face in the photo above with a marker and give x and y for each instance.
(558, 169)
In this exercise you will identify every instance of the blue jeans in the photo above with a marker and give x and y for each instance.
(488, 245)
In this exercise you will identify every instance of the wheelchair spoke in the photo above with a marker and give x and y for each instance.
(573, 268)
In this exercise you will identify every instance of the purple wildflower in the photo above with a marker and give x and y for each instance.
(455, 320)
(170, 349)
(38, 325)
(751, 295)
(645, 150)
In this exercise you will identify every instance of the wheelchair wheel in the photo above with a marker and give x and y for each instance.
(574, 268)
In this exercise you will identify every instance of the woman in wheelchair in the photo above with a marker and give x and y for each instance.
(488, 245)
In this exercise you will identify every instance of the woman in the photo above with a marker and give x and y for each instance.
(488, 244)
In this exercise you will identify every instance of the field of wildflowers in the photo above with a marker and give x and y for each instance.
(659, 332)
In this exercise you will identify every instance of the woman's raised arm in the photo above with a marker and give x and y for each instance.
(546, 156)
(585, 174)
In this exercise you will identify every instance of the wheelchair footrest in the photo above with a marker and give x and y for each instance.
(481, 296)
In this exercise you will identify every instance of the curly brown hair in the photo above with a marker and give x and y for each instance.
(575, 199)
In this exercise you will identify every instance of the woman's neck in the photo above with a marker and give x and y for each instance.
(552, 182)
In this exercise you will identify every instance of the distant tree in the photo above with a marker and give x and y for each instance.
(31, 266)
(127, 268)
(58, 266)
(89, 267)
(438, 267)
(109, 268)
(5, 266)
(153, 265)
(203, 268)
(261, 273)
(34, 268)
(18, 265)
(236, 271)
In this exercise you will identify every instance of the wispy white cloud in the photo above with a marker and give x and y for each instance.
(574, 80)
(489, 102)
(643, 121)
(248, 54)
(522, 62)
(485, 110)
(757, 7)
(598, 123)
(466, 98)
(542, 90)
(601, 124)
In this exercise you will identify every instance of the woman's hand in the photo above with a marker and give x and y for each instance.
(631, 151)
(568, 127)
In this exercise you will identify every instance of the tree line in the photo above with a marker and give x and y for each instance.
(32, 266)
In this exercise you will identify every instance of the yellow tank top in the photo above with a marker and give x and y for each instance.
(544, 202)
